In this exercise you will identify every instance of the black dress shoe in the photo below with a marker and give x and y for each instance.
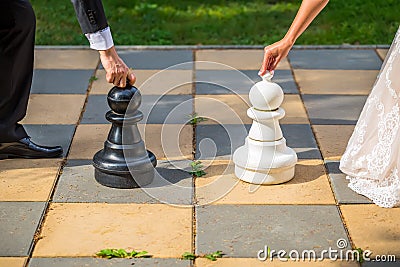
(25, 148)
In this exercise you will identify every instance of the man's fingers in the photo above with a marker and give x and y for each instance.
(131, 78)
(122, 82)
(109, 78)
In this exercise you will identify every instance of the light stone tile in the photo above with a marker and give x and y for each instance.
(80, 229)
(27, 180)
(374, 228)
(66, 59)
(54, 109)
(347, 82)
(232, 109)
(151, 82)
(310, 185)
(242, 59)
(168, 141)
(12, 261)
(382, 53)
(295, 111)
(333, 139)
(223, 109)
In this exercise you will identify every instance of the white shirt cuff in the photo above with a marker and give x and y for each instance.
(100, 40)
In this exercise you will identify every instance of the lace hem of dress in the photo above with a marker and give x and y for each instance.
(385, 195)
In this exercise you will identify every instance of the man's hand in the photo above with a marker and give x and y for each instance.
(117, 72)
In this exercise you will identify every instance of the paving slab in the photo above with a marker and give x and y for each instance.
(51, 134)
(18, 224)
(382, 53)
(83, 229)
(240, 262)
(333, 139)
(310, 185)
(168, 141)
(343, 194)
(335, 59)
(334, 109)
(79, 262)
(239, 81)
(232, 109)
(243, 59)
(381, 264)
(87, 59)
(282, 77)
(287, 227)
(222, 140)
(301, 138)
(345, 82)
(61, 81)
(77, 185)
(54, 109)
(12, 261)
(151, 82)
(173, 109)
(219, 141)
(157, 59)
(374, 228)
(223, 109)
(28, 180)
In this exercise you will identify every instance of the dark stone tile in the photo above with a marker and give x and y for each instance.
(51, 134)
(243, 230)
(210, 82)
(61, 81)
(156, 109)
(334, 109)
(96, 109)
(79, 262)
(166, 109)
(343, 194)
(381, 264)
(18, 224)
(221, 141)
(301, 138)
(335, 59)
(282, 77)
(158, 59)
(171, 185)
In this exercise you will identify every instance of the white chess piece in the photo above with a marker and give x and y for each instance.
(265, 158)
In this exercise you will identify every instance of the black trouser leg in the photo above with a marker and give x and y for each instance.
(17, 38)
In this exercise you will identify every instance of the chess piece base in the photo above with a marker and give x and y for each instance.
(126, 178)
(259, 162)
(272, 176)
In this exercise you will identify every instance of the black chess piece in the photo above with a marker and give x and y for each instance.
(124, 161)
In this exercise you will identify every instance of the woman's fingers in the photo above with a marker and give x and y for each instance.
(267, 64)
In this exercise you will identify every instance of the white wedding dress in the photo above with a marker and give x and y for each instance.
(372, 157)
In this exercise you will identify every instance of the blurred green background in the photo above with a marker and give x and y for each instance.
(220, 22)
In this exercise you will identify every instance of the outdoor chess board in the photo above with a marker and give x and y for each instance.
(54, 213)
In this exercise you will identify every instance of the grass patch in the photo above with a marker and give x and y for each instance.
(208, 22)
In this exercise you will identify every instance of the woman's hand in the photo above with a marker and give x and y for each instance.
(273, 54)
(117, 72)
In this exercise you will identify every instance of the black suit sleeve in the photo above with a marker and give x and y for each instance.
(90, 15)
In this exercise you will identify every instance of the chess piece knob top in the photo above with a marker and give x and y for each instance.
(124, 100)
(266, 95)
